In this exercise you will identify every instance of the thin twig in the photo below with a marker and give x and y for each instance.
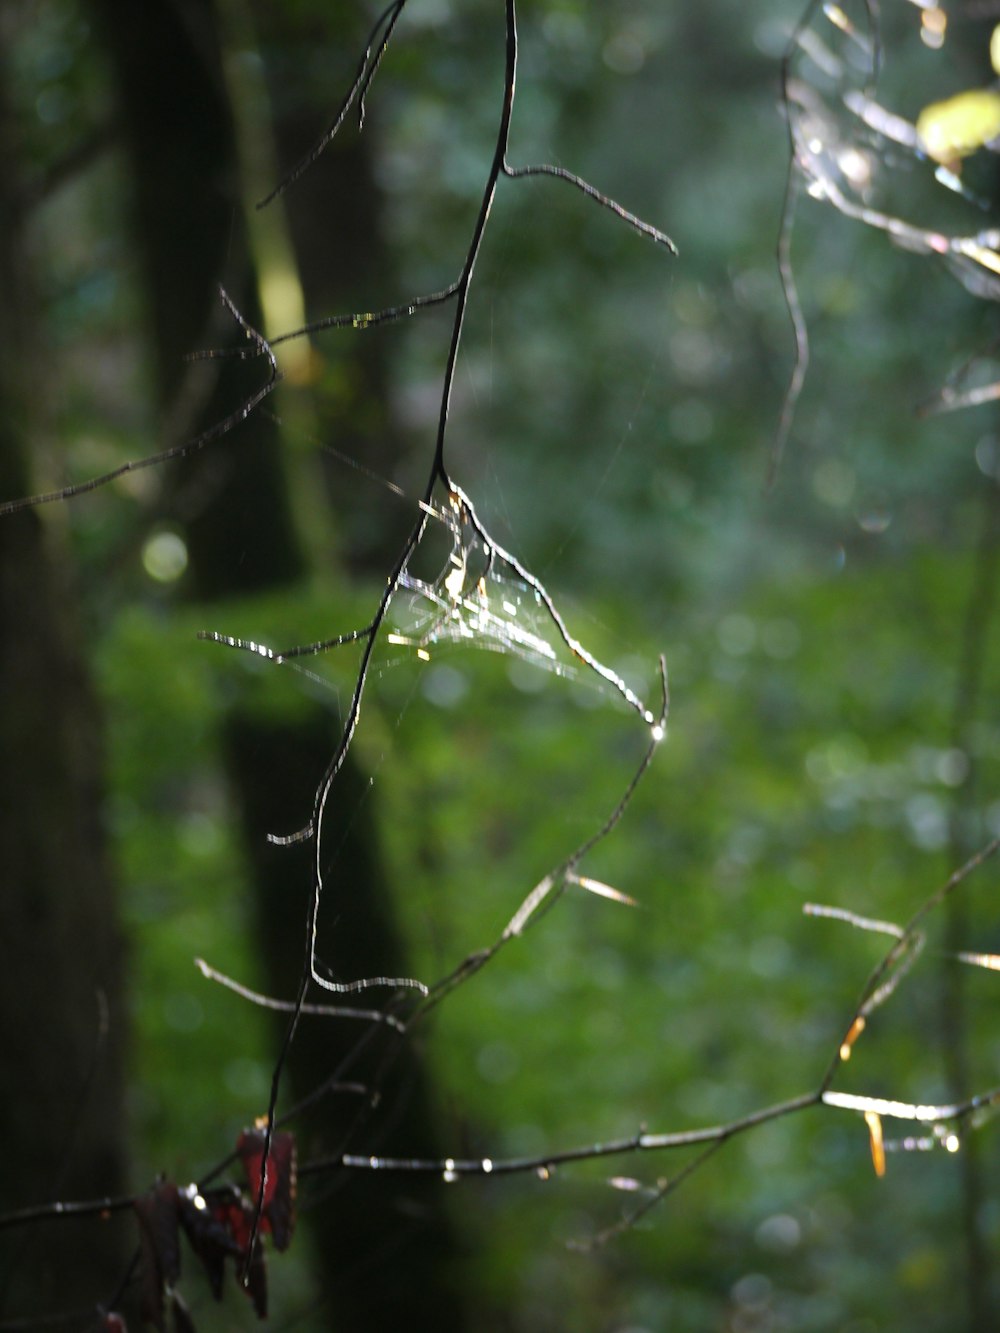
(182, 450)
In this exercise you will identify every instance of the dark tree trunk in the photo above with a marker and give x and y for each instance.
(61, 1003)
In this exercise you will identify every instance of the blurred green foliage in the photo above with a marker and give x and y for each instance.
(613, 415)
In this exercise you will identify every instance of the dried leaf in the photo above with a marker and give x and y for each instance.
(206, 1222)
(160, 1265)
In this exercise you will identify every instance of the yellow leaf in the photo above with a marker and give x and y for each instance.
(959, 126)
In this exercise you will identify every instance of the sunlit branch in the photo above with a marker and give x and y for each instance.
(605, 201)
(364, 320)
(633, 1143)
(899, 956)
(543, 897)
(288, 1006)
(545, 1162)
(601, 890)
(289, 654)
(643, 1141)
(896, 1110)
(905, 954)
(905, 234)
(989, 961)
(853, 919)
(880, 979)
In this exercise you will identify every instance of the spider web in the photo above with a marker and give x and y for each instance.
(473, 601)
(854, 151)
(483, 597)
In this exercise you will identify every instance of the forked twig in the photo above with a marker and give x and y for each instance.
(182, 450)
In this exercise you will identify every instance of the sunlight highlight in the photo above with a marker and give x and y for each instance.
(874, 1123)
(854, 1032)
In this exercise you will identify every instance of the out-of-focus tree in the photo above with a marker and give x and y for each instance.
(62, 970)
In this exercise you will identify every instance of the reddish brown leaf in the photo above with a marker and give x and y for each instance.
(157, 1212)
(206, 1222)
(278, 1212)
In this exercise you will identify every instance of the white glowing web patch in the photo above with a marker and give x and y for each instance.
(484, 597)
(474, 600)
